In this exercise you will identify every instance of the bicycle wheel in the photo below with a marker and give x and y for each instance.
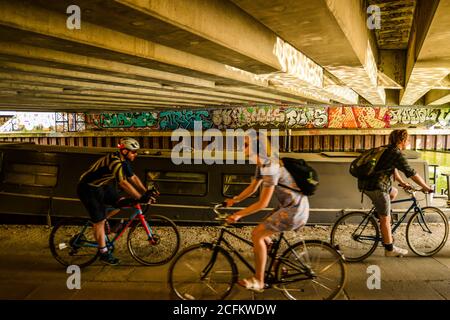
(202, 272)
(356, 234)
(72, 242)
(427, 233)
(160, 247)
(311, 270)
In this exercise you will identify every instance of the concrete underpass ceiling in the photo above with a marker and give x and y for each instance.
(140, 55)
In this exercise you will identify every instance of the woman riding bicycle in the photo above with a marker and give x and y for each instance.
(292, 213)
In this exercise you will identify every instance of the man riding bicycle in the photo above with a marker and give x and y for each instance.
(380, 190)
(96, 189)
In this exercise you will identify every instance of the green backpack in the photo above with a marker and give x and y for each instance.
(364, 166)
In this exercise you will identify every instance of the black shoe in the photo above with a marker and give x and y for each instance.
(108, 258)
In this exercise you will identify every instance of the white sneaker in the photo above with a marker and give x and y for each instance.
(396, 252)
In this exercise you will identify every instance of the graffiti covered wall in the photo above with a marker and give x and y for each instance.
(333, 117)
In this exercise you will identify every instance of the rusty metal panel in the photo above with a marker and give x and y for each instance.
(317, 147)
(368, 142)
(358, 142)
(348, 143)
(440, 142)
(379, 141)
(431, 142)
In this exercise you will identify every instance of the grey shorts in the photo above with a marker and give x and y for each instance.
(381, 201)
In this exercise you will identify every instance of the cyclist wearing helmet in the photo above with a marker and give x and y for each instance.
(96, 189)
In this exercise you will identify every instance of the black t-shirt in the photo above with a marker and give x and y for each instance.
(391, 159)
(107, 169)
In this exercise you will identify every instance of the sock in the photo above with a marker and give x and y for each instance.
(103, 249)
(388, 246)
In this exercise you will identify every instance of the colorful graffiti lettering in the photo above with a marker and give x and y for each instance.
(357, 117)
(422, 117)
(171, 120)
(351, 117)
(126, 120)
(306, 118)
(444, 118)
(248, 117)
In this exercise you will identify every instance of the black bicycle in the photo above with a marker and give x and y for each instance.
(308, 269)
(152, 240)
(357, 234)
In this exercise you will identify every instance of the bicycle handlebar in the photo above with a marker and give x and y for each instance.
(219, 215)
(412, 190)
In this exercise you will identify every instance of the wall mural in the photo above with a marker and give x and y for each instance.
(248, 118)
(171, 120)
(423, 117)
(335, 117)
(358, 117)
(306, 118)
(125, 120)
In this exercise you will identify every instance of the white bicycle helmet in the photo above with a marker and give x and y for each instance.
(129, 143)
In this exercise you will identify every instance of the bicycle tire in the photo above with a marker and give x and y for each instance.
(343, 236)
(161, 248)
(418, 238)
(323, 260)
(63, 248)
(185, 273)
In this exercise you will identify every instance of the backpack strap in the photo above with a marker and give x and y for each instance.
(287, 187)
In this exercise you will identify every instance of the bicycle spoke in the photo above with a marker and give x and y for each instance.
(209, 271)
(155, 248)
(427, 231)
(211, 288)
(329, 266)
(72, 242)
(324, 277)
(322, 285)
(356, 234)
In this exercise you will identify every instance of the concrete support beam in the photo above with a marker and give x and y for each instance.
(211, 20)
(351, 17)
(83, 77)
(39, 106)
(428, 57)
(101, 66)
(35, 19)
(218, 21)
(45, 99)
(331, 32)
(391, 69)
(443, 84)
(45, 54)
(437, 97)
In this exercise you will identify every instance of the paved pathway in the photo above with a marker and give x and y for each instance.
(28, 271)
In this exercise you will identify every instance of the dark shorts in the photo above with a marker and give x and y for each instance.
(381, 201)
(96, 199)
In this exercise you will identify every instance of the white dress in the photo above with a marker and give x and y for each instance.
(293, 210)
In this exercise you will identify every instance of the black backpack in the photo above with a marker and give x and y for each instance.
(364, 166)
(304, 176)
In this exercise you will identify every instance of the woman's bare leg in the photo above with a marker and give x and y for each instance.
(260, 250)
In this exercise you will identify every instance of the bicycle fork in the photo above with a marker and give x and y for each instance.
(209, 266)
(151, 237)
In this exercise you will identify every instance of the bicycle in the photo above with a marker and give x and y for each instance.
(357, 233)
(308, 269)
(151, 241)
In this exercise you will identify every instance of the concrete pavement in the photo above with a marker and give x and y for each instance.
(28, 271)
